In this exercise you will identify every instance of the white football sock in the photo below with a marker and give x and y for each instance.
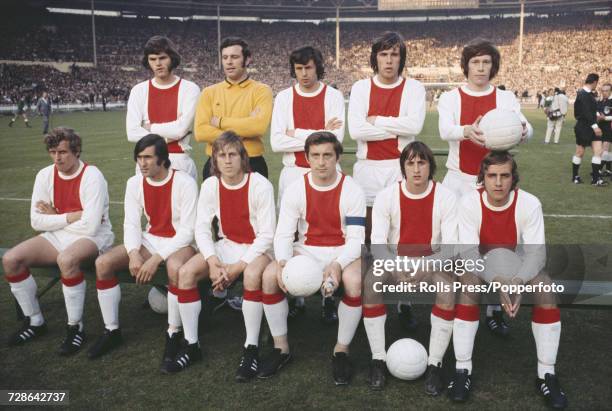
(252, 311)
(374, 324)
(441, 333)
(109, 299)
(25, 294)
(349, 315)
(276, 313)
(547, 336)
(74, 297)
(190, 314)
(465, 327)
(174, 316)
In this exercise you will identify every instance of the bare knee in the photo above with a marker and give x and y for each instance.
(188, 277)
(11, 263)
(269, 281)
(172, 269)
(104, 270)
(67, 263)
(352, 284)
(252, 278)
(173, 278)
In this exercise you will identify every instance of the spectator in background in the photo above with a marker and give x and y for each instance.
(556, 115)
(20, 112)
(43, 107)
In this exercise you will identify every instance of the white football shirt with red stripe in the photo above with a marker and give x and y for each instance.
(430, 218)
(169, 207)
(85, 190)
(170, 109)
(304, 113)
(462, 106)
(400, 110)
(332, 216)
(520, 221)
(246, 214)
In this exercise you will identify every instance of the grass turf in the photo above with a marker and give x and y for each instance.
(503, 369)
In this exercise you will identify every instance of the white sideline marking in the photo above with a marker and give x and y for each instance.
(29, 199)
(577, 216)
(605, 217)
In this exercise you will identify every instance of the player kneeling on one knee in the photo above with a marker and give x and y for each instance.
(70, 208)
(243, 203)
(168, 199)
(327, 209)
(500, 215)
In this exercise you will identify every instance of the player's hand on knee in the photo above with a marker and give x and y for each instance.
(148, 269)
(135, 263)
(234, 270)
(598, 132)
(215, 267)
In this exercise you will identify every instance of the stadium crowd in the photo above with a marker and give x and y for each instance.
(557, 51)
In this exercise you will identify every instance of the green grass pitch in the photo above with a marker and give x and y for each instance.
(504, 370)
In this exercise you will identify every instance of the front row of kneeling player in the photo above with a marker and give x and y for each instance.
(327, 208)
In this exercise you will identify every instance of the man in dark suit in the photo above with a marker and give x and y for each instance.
(587, 131)
(604, 117)
(44, 109)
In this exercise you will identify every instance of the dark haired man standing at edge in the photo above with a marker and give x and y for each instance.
(587, 132)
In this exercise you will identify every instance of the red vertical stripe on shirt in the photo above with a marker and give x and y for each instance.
(471, 154)
(66, 193)
(235, 214)
(163, 108)
(158, 206)
(416, 224)
(384, 102)
(323, 215)
(308, 114)
(498, 228)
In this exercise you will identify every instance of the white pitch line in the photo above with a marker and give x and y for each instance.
(29, 199)
(604, 217)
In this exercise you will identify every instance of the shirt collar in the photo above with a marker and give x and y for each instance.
(242, 84)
